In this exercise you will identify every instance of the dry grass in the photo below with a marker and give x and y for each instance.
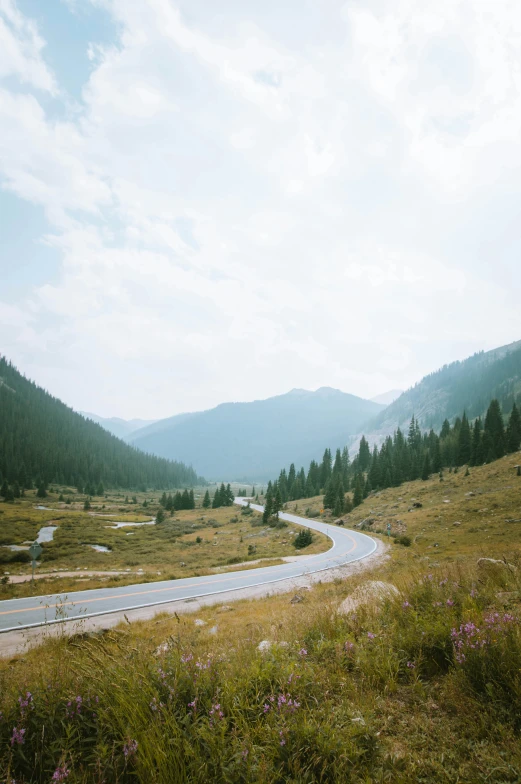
(397, 706)
(167, 551)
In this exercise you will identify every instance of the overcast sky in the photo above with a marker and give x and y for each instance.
(205, 201)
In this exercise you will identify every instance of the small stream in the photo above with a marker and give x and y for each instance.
(127, 525)
(46, 534)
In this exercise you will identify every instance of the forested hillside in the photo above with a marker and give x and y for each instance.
(469, 385)
(42, 439)
(401, 458)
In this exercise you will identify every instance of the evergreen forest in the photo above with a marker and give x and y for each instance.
(401, 458)
(42, 441)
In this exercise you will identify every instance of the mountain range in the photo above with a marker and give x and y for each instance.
(121, 428)
(247, 441)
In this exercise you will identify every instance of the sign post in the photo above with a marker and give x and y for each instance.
(35, 550)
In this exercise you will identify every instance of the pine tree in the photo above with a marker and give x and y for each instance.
(426, 470)
(364, 455)
(86, 505)
(494, 432)
(357, 492)
(268, 507)
(513, 436)
(41, 492)
(277, 503)
(464, 441)
(206, 500)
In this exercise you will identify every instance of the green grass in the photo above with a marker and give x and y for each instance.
(168, 550)
(406, 691)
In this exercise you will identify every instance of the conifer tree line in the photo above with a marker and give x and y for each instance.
(223, 497)
(178, 501)
(401, 458)
(42, 441)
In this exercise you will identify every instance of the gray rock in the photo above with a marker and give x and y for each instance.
(371, 592)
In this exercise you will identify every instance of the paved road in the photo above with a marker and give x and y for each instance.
(347, 546)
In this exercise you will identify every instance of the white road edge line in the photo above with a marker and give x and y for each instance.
(197, 596)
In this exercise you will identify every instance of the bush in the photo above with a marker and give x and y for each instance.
(303, 539)
(403, 539)
(18, 556)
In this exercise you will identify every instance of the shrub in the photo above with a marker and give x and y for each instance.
(404, 540)
(303, 539)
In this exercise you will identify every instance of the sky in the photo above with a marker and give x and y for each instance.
(203, 202)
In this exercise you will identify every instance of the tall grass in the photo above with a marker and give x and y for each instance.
(425, 687)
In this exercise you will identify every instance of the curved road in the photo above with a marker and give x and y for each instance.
(348, 546)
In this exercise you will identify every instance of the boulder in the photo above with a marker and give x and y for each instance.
(297, 599)
(371, 592)
(495, 570)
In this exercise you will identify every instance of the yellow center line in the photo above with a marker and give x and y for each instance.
(145, 593)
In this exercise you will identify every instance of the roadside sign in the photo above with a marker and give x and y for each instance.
(35, 550)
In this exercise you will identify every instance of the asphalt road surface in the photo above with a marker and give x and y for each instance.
(348, 546)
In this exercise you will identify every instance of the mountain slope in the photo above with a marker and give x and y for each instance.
(248, 441)
(42, 438)
(467, 385)
(121, 428)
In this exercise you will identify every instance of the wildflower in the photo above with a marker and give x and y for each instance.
(266, 708)
(370, 636)
(450, 603)
(282, 739)
(473, 593)
(193, 705)
(303, 652)
(186, 657)
(349, 646)
(18, 736)
(216, 713)
(244, 753)
(444, 582)
(130, 748)
(26, 702)
(61, 773)
(405, 605)
(411, 665)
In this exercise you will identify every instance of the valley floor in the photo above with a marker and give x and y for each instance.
(416, 683)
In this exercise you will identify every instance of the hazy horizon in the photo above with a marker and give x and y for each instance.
(199, 207)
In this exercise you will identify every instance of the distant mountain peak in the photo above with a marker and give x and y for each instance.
(386, 398)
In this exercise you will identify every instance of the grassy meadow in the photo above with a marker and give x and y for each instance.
(186, 544)
(421, 686)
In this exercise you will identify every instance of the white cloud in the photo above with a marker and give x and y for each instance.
(239, 211)
(21, 49)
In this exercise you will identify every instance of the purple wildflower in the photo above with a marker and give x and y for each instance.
(18, 736)
(349, 646)
(282, 739)
(61, 773)
(450, 602)
(405, 605)
(303, 652)
(411, 665)
(370, 636)
(130, 748)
